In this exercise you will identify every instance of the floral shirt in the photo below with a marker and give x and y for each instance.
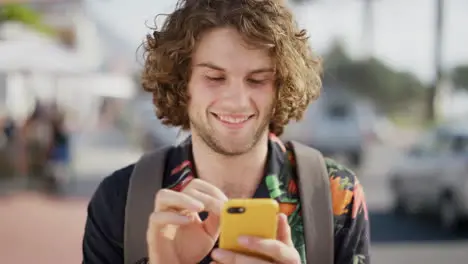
(103, 238)
(279, 183)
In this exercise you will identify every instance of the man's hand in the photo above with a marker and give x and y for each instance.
(176, 233)
(281, 251)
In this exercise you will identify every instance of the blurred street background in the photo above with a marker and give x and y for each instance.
(394, 107)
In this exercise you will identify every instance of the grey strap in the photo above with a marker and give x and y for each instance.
(314, 186)
(146, 180)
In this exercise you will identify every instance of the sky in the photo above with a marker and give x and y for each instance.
(403, 30)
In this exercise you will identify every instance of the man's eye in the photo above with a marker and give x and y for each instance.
(216, 79)
(254, 81)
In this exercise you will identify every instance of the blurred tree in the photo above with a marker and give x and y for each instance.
(25, 15)
(460, 76)
(391, 90)
(336, 56)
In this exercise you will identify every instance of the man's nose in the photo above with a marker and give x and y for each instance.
(237, 94)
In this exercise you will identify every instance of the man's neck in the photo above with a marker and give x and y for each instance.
(237, 176)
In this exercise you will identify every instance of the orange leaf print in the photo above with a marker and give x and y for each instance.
(341, 197)
(359, 201)
(287, 208)
(291, 158)
(292, 187)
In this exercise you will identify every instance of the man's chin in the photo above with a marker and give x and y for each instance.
(233, 148)
(236, 151)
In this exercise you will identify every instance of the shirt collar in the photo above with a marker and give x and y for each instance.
(181, 167)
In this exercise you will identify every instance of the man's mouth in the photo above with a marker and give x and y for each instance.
(234, 119)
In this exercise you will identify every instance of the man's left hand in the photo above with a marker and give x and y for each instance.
(281, 251)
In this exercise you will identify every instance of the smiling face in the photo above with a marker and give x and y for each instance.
(232, 92)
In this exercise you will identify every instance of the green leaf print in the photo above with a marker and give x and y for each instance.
(273, 186)
(359, 259)
(297, 232)
(346, 184)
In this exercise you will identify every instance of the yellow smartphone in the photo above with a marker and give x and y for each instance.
(252, 217)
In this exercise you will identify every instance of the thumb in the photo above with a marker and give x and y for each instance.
(212, 225)
(284, 230)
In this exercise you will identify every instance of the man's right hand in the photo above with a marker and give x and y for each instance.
(175, 232)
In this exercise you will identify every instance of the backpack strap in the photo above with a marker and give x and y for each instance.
(147, 178)
(314, 187)
(145, 182)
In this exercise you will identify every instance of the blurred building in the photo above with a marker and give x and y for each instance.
(76, 29)
(70, 67)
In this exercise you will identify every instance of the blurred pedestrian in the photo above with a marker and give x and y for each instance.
(59, 155)
(34, 142)
(7, 145)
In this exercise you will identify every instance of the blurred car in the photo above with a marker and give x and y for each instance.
(338, 123)
(433, 176)
(153, 133)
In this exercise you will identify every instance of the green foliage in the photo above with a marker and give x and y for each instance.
(391, 90)
(26, 15)
(460, 76)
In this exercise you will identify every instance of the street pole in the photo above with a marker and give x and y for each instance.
(438, 44)
(367, 37)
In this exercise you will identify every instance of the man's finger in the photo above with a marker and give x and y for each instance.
(210, 203)
(284, 230)
(275, 249)
(160, 220)
(171, 200)
(157, 223)
(211, 225)
(222, 256)
(207, 188)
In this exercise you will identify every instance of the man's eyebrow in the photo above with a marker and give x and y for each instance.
(218, 68)
(209, 65)
(262, 70)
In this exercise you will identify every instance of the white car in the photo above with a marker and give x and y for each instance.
(433, 176)
(338, 123)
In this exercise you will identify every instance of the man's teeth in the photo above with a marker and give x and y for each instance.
(234, 120)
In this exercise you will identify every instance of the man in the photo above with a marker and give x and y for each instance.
(233, 73)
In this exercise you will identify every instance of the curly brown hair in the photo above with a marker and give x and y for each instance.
(264, 23)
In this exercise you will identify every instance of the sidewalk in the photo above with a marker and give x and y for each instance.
(38, 229)
(431, 253)
(41, 230)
